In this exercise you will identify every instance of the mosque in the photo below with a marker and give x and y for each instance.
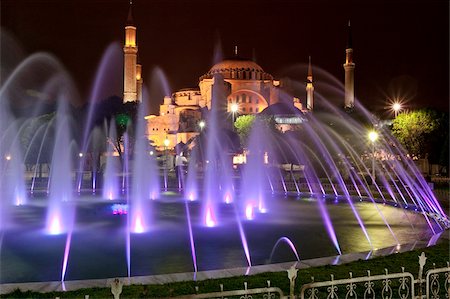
(249, 90)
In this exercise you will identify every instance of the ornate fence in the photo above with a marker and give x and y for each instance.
(388, 286)
(402, 285)
(436, 285)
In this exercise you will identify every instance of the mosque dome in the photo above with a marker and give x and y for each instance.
(239, 69)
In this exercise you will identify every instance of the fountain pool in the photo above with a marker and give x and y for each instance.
(98, 242)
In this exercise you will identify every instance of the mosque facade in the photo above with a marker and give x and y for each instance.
(248, 90)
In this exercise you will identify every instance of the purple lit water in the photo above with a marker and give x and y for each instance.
(100, 235)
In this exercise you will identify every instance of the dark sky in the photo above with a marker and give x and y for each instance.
(401, 48)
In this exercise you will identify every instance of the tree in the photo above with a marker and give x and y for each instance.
(414, 130)
(243, 125)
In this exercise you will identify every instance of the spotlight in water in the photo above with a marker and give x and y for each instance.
(110, 195)
(209, 221)
(228, 198)
(191, 196)
(249, 212)
(55, 226)
(19, 200)
(262, 209)
(138, 226)
(153, 195)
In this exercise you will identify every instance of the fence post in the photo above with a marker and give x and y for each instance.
(292, 275)
(422, 261)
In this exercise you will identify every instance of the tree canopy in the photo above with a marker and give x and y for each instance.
(419, 130)
(243, 125)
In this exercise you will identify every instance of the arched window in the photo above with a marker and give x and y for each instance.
(244, 98)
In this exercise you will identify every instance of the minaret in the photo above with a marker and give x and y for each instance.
(309, 88)
(139, 82)
(349, 68)
(130, 58)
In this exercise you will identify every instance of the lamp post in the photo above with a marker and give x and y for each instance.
(373, 136)
(396, 107)
(234, 109)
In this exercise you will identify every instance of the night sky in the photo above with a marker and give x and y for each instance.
(401, 48)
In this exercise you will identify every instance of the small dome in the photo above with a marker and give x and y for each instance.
(282, 108)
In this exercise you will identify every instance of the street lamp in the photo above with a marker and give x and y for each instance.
(234, 108)
(373, 136)
(396, 107)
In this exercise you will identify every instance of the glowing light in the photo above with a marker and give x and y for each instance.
(55, 227)
(209, 221)
(201, 124)
(151, 153)
(249, 212)
(234, 108)
(19, 200)
(166, 142)
(110, 195)
(153, 195)
(396, 107)
(191, 196)
(228, 198)
(8, 157)
(138, 226)
(80, 155)
(261, 208)
(373, 136)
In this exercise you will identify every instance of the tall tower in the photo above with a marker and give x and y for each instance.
(139, 82)
(130, 60)
(309, 88)
(349, 67)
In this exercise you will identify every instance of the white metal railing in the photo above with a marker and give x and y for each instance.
(434, 285)
(405, 289)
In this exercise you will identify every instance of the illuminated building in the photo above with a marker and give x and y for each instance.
(246, 85)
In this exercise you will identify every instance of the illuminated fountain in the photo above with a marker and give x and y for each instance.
(214, 217)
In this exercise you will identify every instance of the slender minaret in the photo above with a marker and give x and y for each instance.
(130, 58)
(349, 68)
(309, 88)
(139, 82)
